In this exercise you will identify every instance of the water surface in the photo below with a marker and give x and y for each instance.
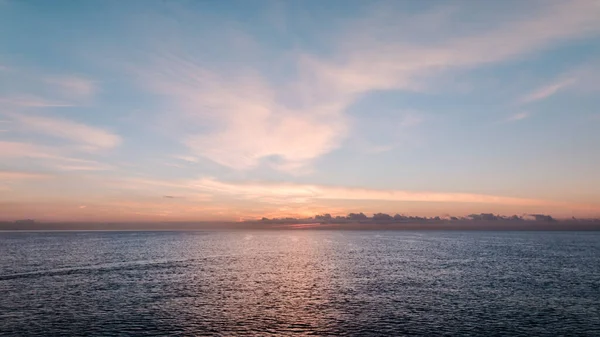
(300, 283)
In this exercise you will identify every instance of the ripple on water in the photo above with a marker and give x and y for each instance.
(300, 283)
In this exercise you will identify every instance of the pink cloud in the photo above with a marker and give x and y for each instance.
(287, 192)
(89, 136)
(18, 149)
(17, 175)
(248, 122)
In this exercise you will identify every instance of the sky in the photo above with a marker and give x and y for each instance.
(235, 110)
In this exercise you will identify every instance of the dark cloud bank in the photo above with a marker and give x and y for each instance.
(353, 221)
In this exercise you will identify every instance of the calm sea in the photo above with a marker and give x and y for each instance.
(300, 283)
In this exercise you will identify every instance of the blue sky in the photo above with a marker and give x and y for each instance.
(193, 110)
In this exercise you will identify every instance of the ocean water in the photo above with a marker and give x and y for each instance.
(259, 283)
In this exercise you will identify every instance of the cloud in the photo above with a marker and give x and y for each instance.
(288, 198)
(37, 89)
(73, 86)
(540, 94)
(53, 157)
(248, 122)
(546, 91)
(374, 149)
(286, 192)
(553, 22)
(190, 159)
(11, 177)
(380, 53)
(31, 101)
(6, 176)
(174, 165)
(519, 116)
(386, 130)
(587, 77)
(10, 149)
(91, 137)
(91, 166)
(411, 120)
(245, 119)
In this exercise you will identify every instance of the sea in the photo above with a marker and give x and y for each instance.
(300, 283)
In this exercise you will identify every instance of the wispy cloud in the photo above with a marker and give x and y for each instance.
(73, 86)
(540, 94)
(187, 158)
(56, 158)
(7, 176)
(378, 148)
(248, 122)
(90, 136)
(285, 193)
(302, 193)
(89, 166)
(546, 91)
(411, 120)
(380, 53)
(31, 101)
(3, 124)
(519, 116)
(10, 149)
(36, 89)
(174, 165)
(247, 119)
